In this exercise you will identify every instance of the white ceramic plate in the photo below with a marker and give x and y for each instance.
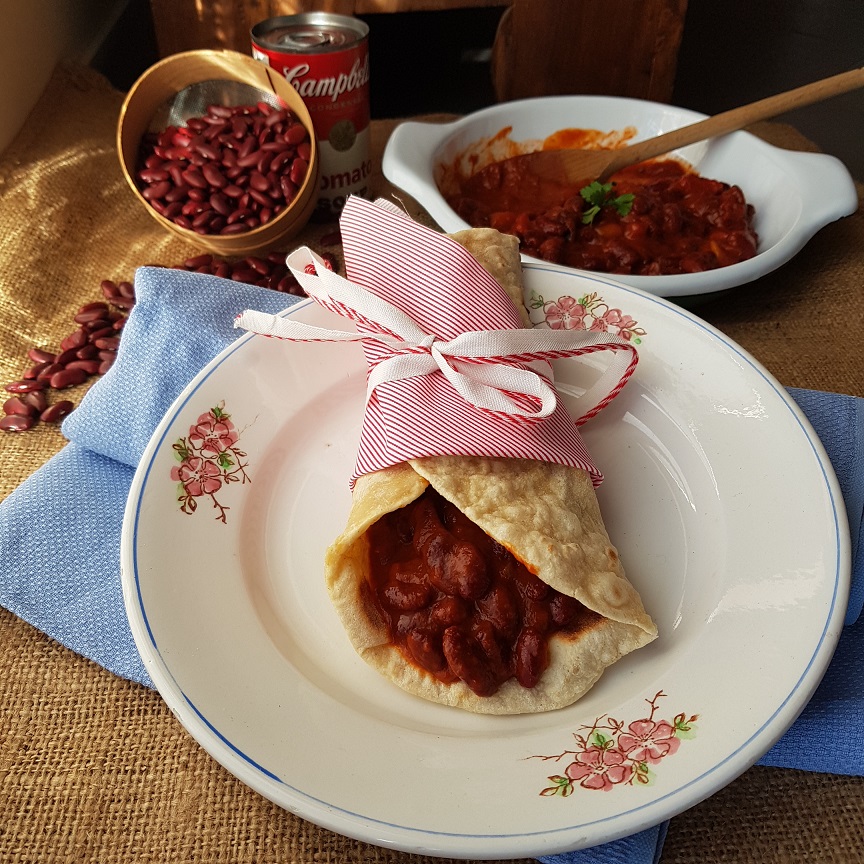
(719, 496)
(794, 194)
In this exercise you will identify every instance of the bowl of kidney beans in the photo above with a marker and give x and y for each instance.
(234, 169)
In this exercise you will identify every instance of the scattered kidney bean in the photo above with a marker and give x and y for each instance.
(16, 423)
(24, 386)
(37, 355)
(68, 378)
(211, 160)
(18, 406)
(37, 399)
(57, 411)
(91, 349)
(35, 371)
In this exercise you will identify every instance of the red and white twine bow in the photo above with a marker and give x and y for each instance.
(450, 371)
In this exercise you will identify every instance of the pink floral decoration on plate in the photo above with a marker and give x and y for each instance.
(589, 312)
(209, 459)
(610, 754)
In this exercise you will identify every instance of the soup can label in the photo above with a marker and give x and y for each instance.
(325, 57)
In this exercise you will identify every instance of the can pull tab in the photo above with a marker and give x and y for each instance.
(304, 39)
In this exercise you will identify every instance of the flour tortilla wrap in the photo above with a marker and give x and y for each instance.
(547, 515)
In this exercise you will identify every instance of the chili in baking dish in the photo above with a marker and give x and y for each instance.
(678, 222)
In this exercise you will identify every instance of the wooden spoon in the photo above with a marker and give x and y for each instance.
(573, 166)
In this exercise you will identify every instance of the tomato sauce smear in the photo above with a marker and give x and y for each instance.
(679, 222)
(460, 606)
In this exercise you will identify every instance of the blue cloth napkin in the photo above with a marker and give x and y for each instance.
(60, 530)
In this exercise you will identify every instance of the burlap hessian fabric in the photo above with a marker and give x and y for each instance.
(96, 769)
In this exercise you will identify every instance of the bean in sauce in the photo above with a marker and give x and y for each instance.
(460, 606)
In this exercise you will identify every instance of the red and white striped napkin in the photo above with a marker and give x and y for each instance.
(450, 370)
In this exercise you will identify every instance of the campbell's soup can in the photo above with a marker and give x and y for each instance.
(326, 58)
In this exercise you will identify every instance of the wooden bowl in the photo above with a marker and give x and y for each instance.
(155, 90)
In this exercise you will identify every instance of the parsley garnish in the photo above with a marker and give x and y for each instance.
(599, 195)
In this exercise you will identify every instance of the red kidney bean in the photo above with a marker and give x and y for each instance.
(102, 333)
(263, 199)
(74, 340)
(56, 412)
(275, 146)
(178, 193)
(197, 261)
(289, 189)
(35, 371)
(157, 190)
(264, 161)
(95, 326)
(108, 343)
(110, 290)
(467, 659)
(154, 175)
(68, 378)
(275, 117)
(235, 228)
(299, 167)
(208, 151)
(87, 352)
(537, 615)
(499, 608)
(16, 423)
(530, 657)
(38, 355)
(89, 367)
(67, 356)
(296, 133)
(258, 181)
(37, 399)
(258, 265)
(18, 406)
(564, 609)
(249, 160)
(448, 611)
(202, 219)
(90, 312)
(280, 160)
(425, 648)
(45, 375)
(221, 203)
(175, 169)
(175, 208)
(213, 175)
(195, 178)
(24, 386)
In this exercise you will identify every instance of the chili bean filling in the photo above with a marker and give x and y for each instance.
(458, 604)
(679, 222)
